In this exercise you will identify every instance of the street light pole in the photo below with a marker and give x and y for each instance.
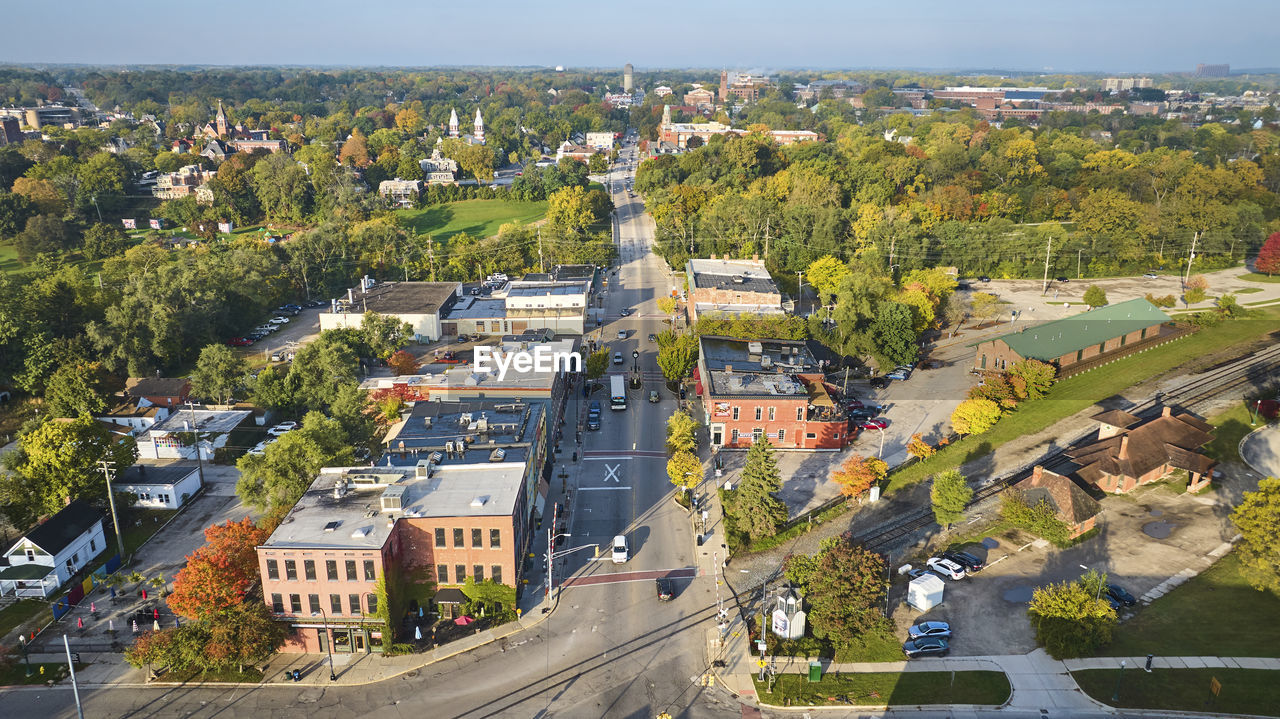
(1119, 677)
(328, 643)
(26, 652)
(1100, 583)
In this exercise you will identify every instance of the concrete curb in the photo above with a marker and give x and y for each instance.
(1240, 450)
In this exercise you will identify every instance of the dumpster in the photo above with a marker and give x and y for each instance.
(815, 671)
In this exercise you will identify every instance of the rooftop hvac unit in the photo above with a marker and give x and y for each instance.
(498, 455)
(448, 448)
(393, 499)
(420, 471)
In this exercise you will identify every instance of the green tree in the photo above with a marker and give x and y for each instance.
(667, 305)
(597, 363)
(825, 274)
(753, 507)
(43, 234)
(282, 188)
(894, 334)
(1071, 619)
(385, 334)
(598, 165)
(975, 416)
(569, 210)
(218, 373)
(102, 241)
(950, 494)
(845, 593)
(1095, 296)
(682, 432)
(1257, 517)
(15, 210)
(1031, 378)
(76, 389)
(320, 368)
(677, 354)
(684, 469)
(1040, 519)
(278, 477)
(985, 307)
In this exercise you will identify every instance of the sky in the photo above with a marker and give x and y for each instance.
(1115, 36)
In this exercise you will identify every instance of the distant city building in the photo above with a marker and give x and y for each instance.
(249, 145)
(1203, 70)
(700, 97)
(582, 153)
(1122, 84)
(44, 116)
(602, 140)
(175, 185)
(628, 78)
(438, 169)
(662, 91)
(743, 87)
(401, 193)
(10, 131)
(477, 133)
(620, 100)
(418, 303)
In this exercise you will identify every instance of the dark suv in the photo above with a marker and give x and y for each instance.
(970, 563)
(665, 592)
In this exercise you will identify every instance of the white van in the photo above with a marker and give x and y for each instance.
(620, 554)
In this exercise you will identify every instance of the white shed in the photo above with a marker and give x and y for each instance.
(925, 592)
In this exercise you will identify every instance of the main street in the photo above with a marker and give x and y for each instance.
(610, 648)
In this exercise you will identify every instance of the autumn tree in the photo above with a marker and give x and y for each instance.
(752, 506)
(684, 469)
(985, 306)
(1031, 378)
(1268, 259)
(596, 364)
(241, 635)
(355, 151)
(825, 275)
(404, 363)
(845, 592)
(667, 305)
(1071, 619)
(918, 448)
(1257, 517)
(218, 574)
(949, 495)
(1095, 296)
(682, 432)
(858, 474)
(975, 416)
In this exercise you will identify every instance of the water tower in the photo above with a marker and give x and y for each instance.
(627, 73)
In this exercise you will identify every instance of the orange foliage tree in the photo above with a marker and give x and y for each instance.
(919, 448)
(858, 474)
(218, 575)
(404, 363)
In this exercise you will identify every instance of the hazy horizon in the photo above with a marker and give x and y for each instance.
(1087, 36)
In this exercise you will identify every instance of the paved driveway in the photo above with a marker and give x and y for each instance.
(1261, 451)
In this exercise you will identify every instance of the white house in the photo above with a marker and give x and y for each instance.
(601, 140)
(159, 486)
(48, 556)
(174, 437)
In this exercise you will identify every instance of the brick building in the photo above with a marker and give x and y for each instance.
(742, 87)
(1083, 337)
(732, 287)
(1071, 503)
(773, 390)
(1130, 453)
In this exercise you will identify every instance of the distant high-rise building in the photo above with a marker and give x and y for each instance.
(1121, 84)
(628, 77)
(1203, 70)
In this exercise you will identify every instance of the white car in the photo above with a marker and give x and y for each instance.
(260, 447)
(620, 553)
(267, 328)
(281, 320)
(946, 568)
(281, 428)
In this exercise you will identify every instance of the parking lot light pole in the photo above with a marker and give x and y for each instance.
(1119, 677)
(328, 643)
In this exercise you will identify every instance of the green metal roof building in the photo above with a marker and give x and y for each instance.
(1072, 340)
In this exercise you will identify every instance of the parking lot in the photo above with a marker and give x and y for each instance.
(1145, 539)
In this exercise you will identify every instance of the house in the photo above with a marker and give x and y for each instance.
(731, 287)
(179, 434)
(401, 193)
(260, 144)
(1089, 337)
(438, 169)
(158, 391)
(601, 140)
(159, 486)
(1071, 503)
(176, 185)
(767, 390)
(1129, 452)
(136, 414)
(581, 153)
(420, 304)
(48, 556)
(217, 150)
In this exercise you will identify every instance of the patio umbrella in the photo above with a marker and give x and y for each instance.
(463, 620)
(420, 612)
(155, 613)
(144, 594)
(156, 625)
(111, 625)
(93, 607)
(417, 633)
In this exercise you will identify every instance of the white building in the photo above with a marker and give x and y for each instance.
(602, 140)
(418, 303)
(159, 486)
(48, 556)
(177, 436)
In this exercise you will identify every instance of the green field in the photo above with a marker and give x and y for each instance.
(888, 688)
(1258, 277)
(1243, 691)
(477, 218)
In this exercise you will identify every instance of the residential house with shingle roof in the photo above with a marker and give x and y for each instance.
(1071, 503)
(1129, 454)
(48, 556)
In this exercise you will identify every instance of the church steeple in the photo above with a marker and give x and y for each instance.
(221, 121)
(666, 115)
(453, 123)
(479, 127)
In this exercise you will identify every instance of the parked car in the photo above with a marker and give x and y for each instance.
(984, 278)
(450, 357)
(287, 310)
(463, 338)
(1150, 276)
(653, 395)
(879, 382)
(239, 342)
(594, 407)
(266, 329)
(917, 572)
(1118, 594)
(1063, 278)
(617, 358)
(971, 564)
(875, 423)
(899, 374)
(279, 320)
(626, 311)
(281, 428)
(932, 364)
(926, 647)
(665, 592)
(255, 336)
(622, 334)
(593, 421)
(963, 286)
(315, 303)
(946, 568)
(653, 337)
(929, 629)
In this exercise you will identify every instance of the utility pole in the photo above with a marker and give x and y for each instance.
(800, 292)
(108, 471)
(196, 431)
(1078, 275)
(766, 238)
(1047, 247)
(431, 256)
(75, 687)
(542, 268)
(1190, 258)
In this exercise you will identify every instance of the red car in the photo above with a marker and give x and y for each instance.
(239, 342)
(449, 358)
(875, 423)
(852, 403)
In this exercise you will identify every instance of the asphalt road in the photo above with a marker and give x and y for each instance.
(610, 649)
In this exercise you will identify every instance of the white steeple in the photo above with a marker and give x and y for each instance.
(453, 123)
(479, 127)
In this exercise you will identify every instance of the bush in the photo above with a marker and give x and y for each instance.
(396, 650)
(1166, 301)
(1071, 619)
(1041, 519)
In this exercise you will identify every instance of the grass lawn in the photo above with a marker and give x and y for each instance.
(137, 526)
(1257, 277)
(1244, 691)
(17, 673)
(1247, 290)
(1077, 393)
(477, 218)
(893, 688)
(9, 261)
(1240, 622)
(21, 611)
(1232, 426)
(249, 676)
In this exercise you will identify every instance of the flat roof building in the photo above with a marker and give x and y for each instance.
(418, 303)
(731, 287)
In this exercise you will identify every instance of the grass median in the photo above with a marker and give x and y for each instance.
(888, 688)
(1242, 691)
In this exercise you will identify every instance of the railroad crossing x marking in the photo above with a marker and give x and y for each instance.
(611, 472)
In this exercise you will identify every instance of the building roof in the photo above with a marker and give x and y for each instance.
(474, 428)
(757, 368)
(565, 273)
(144, 473)
(29, 570)
(64, 527)
(1167, 439)
(157, 386)
(476, 308)
(1116, 418)
(343, 507)
(527, 288)
(740, 275)
(410, 298)
(1052, 340)
(1072, 504)
(218, 421)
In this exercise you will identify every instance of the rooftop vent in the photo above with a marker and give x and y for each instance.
(479, 502)
(738, 279)
(332, 525)
(498, 455)
(361, 533)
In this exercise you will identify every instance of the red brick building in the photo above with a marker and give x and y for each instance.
(1070, 502)
(767, 390)
(1130, 453)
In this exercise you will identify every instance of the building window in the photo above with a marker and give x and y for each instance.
(31, 555)
(439, 536)
(771, 414)
(93, 545)
(351, 570)
(495, 573)
(477, 538)
(782, 435)
(442, 573)
(810, 435)
(369, 574)
(1123, 340)
(759, 413)
(757, 433)
(459, 573)
(353, 601)
(331, 569)
(295, 603)
(373, 604)
(457, 537)
(1079, 355)
(290, 570)
(313, 601)
(733, 437)
(277, 604)
(1143, 336)
(477, 571)
(335, 604)
(799, 414)
(309, 569)
(495, 538)
(273, 569)
(735, 412)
